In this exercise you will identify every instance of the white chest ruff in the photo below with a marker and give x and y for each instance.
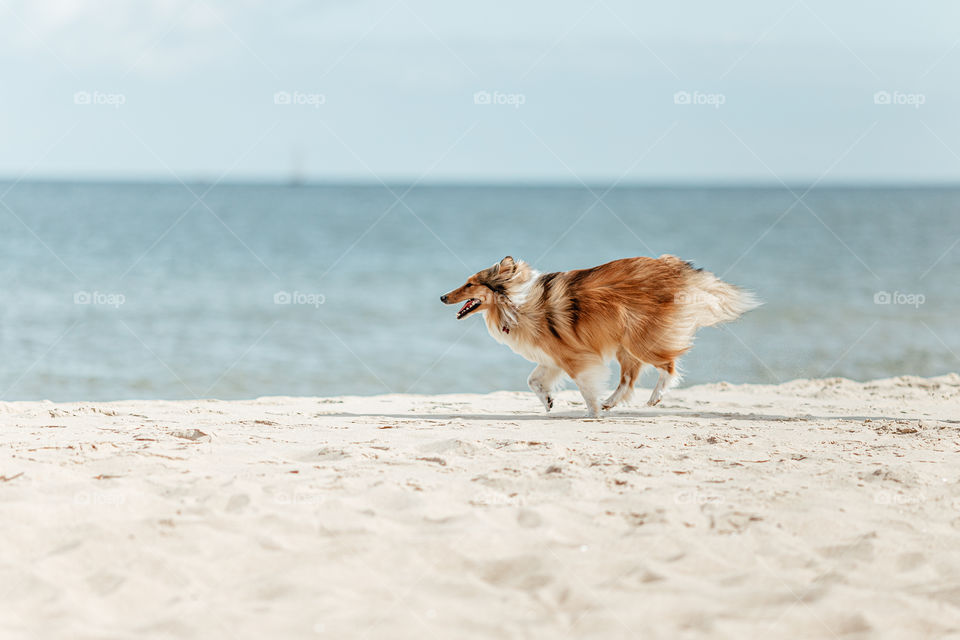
(528, 352)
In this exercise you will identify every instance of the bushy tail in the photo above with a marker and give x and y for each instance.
(709, 300)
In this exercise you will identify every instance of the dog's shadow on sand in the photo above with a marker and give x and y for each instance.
(617, 417)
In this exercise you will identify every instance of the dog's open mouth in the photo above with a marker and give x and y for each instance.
(471, 304)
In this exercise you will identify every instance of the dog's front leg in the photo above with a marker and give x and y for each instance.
(590, 381)
(543, 381)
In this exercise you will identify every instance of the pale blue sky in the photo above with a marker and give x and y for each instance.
(597, 80)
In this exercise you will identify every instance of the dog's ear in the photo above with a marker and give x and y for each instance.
(506, 266)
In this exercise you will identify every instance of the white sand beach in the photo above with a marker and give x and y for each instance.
(816, 508)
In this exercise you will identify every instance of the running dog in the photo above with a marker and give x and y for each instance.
(637, 310)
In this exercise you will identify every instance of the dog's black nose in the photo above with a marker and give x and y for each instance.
(443, 298)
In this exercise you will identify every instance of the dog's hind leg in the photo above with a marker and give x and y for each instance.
(543, 382)
(665, 381)
(629, 372)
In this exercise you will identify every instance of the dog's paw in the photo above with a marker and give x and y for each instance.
(652, 402)
(547, 402)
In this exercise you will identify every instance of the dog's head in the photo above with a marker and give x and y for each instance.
(484, 289)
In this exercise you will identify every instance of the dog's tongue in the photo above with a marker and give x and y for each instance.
(464, 307)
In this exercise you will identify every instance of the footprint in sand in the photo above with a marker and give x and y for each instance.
(521, 572)
(452, 447)
(237, 502)
(528, 518)
(328, 454)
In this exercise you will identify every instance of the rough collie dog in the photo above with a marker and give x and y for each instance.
(637, 310)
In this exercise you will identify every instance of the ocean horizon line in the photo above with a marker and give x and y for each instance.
(623, 185)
